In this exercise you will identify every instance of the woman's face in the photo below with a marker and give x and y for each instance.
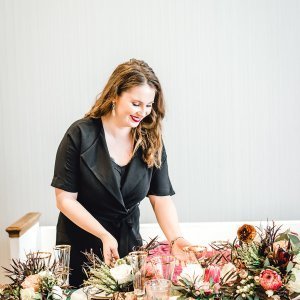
(133, 105)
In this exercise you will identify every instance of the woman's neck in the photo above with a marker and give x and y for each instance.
(112, 128)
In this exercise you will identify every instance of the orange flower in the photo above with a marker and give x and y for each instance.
(246, 233)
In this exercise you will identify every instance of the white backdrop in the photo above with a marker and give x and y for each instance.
(230, 71)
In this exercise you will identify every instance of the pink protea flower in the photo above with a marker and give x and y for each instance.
(270, 280)
(163, 249)
(212, 273)
(32, 281)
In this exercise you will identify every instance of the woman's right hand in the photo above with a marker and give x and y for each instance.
(110, 248)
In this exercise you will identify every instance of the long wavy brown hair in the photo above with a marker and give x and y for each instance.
(148, 134)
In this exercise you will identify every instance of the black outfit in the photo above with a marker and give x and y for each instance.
(83, 166)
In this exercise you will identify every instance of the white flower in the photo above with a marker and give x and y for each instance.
(269, 293)
(44, 274)
(27, 294)
(229, 268)
(192, 271)
(57, 292)
(122, 273)
(297, 261)
(294, 286)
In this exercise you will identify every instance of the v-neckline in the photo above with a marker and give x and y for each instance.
(105, 135)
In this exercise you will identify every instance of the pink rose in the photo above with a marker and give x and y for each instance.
(212, 273)
(32, 281)
(270, 280)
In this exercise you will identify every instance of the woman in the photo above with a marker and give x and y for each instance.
(107, 163)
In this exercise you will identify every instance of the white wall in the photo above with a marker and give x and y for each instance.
(231, 74)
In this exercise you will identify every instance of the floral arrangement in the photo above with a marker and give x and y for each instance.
(112, 280)
(103, 278)
(259, 264)
(32, 279)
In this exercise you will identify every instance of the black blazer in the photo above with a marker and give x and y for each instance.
(83, 166)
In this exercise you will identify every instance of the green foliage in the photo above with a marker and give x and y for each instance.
(33, 265)
(99, 276)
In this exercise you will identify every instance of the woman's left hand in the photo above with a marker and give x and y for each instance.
(178, 248)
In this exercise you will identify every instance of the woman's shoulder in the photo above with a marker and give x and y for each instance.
(84, 131)
(85, 125)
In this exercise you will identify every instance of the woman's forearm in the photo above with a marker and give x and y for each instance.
(166, 216)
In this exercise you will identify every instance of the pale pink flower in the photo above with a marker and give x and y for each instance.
(32, 281)
(228, 273)
(270, 280)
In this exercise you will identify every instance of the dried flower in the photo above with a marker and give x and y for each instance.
(270, 280)
(246, 233)
(282, 257)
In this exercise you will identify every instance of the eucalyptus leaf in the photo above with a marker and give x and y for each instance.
(294, 241)
(289, 267)
(283, 236)
(266, 262)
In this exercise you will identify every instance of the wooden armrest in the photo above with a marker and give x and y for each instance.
(22, 225)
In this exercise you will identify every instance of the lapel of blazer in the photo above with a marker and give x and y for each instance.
(97, 158)
(136, 172)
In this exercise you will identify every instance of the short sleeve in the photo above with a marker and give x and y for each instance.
(67, 167)
(160, 184)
